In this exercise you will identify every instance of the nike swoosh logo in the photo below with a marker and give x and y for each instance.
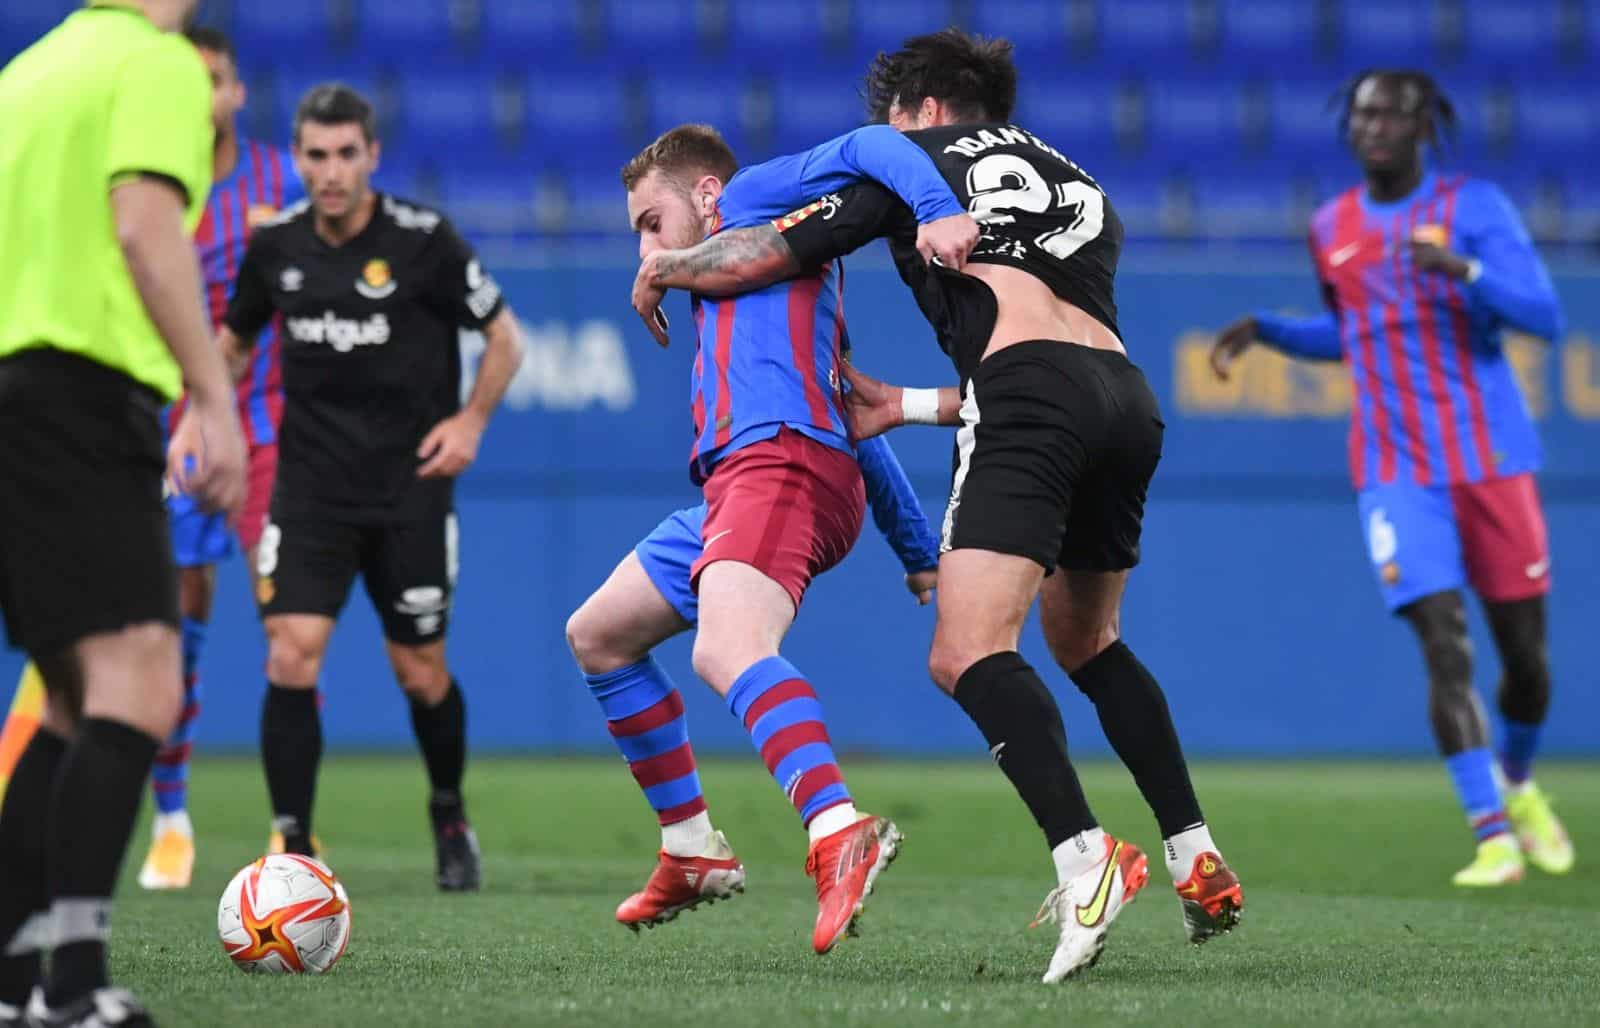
(1537, 569)
(1343, 254)
(994, 751)
(719, 535)
(1092, 914)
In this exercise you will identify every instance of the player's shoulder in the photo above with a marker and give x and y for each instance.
(1470, 189)
(409, 216)
(295, 217)
(1329, 211)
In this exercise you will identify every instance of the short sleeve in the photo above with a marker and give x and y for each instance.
(160, 121)
(461, 289)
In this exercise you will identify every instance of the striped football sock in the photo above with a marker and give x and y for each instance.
(169, 778)
(644, 713)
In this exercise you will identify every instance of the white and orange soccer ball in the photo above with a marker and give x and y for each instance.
(284, 914)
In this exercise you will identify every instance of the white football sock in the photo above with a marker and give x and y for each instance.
(1078, 854)
(834, 819)
(1183, 848)
(687, 838)
(177, 821)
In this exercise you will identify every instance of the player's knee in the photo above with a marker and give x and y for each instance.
(1074, 650)
(586, 638)
(292, 661)
(948, 662)
(1449, 660)
(720, 664)
(421, 671)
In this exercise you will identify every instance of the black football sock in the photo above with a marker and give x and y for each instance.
(1134, 715)
(98, 791)
(1020, 720)
(23, 852)
(441, 732)
(291, 750)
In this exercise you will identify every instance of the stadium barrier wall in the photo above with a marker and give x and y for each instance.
(1255, 604)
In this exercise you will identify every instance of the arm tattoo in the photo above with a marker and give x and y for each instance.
(736, 260)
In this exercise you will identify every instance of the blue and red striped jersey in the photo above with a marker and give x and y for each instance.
(769, 359)
(1436, 401)
(262, 183)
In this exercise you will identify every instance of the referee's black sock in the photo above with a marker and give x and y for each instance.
(1022, 724)
(97, 796)
(291, 750)
(1133, 712)
(441, 732)
(23, 850)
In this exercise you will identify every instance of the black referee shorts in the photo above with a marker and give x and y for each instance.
(307, 563)
(84, 545)
(1056, 450)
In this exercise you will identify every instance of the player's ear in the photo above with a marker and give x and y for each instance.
(707, 190)
(377, 153)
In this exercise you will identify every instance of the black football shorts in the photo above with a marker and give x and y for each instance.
(1054, 456)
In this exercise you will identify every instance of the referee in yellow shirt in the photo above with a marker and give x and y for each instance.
(105, 164)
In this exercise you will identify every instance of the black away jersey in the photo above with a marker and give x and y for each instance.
(371, 359)
(1038, 211)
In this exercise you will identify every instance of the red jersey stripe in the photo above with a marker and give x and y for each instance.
(1477, 420)
(723, 429)
(1433, 361)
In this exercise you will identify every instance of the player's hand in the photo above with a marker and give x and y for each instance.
(452, 446)
(873, 407)
(647, 297)
(206, 457)
(922, 584)
(1429, 255)
(1231, 343)
(950, 239)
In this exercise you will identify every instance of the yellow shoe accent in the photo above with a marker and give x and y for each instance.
(1499, 862)
(1544, 841)
(275, 845)
(170, 864)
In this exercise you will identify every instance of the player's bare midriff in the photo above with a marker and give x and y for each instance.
(1029, 310)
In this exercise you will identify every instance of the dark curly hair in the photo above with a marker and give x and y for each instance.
(975, 77)
(1440, 129)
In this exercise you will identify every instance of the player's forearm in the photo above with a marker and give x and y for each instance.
(896, 511)
(501, 358)
(161, 260)
(729, 263)
(1522, 297)
(235, 354)
(1312, 338)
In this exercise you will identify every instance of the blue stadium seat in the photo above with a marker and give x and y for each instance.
(1512, 36)
(1074, 115)
(1279, 31)
(516, 30)
(1037, 28)
(271, 33)
(22, 23)
(782, 30)
(416, 28)
(885, 24)
(1141, 32)
(813, 107)
(402, 175)
(1581, 190)
(714, 96)
(1485, 116)
(1304, 118)
(1193, 116)
(452, 110)
(1136, 192)
(596, 202)
(578, 105)
(649, 30)
(1241, 201)
(493, 197)
(1558, 119)
(1388, 32)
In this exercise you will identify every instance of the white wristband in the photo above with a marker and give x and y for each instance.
(1474, 270)
(919, 406)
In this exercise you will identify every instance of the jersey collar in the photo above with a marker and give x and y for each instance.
(1424, 188)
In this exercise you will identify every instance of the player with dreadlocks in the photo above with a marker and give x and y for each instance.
(1421, 272)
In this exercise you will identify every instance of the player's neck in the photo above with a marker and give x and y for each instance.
(224, 157)
(339, 231)
(1389, 186)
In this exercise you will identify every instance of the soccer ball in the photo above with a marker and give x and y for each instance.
(284, 914)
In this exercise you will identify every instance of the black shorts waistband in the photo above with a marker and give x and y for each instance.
(47, 367)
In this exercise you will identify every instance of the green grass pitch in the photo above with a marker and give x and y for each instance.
(1350, 916)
